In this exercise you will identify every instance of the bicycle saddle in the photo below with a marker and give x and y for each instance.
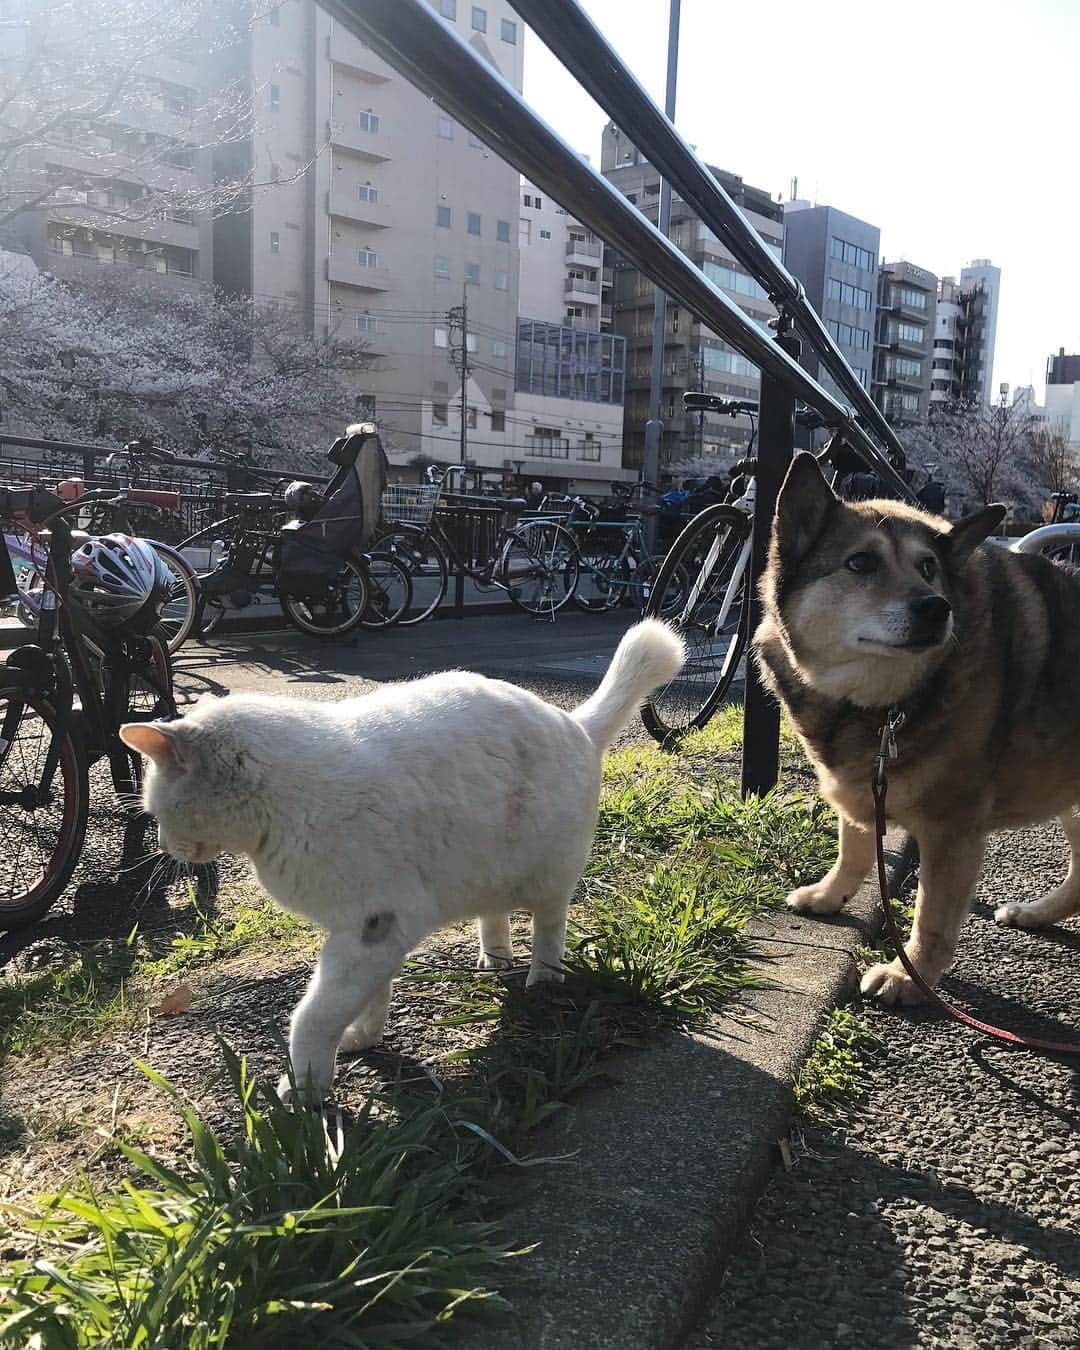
(249, 499)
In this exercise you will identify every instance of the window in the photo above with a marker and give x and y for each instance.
(849, 295)
(439, 414)
(498, 349)
(509, 31)
(726, 277)
(442, 337)
(502, 231)
(479, 19)
(448, 9)
(275, 242)
(910, 332)
(366, 193)
(526, 200)
(446, 129)
(575, 311)
(536, 202)
(470, 342)
(502, 281)
(473, 225)
(498, 421)
(849, 336)
(472, 274)
(366, 323)
(903, 295)
(851, 254)
(275, 98)
(368, 121)
(442, 268)
(545, 234)
(470, 417)
(443, 216)
(366, 257)
(905, 366)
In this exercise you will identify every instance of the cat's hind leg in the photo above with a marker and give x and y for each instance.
(352, 975)
(496, 945)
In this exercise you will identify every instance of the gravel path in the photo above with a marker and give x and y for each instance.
(947, 1213)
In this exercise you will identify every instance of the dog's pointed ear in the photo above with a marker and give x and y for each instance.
(969, 532)
(803, 508)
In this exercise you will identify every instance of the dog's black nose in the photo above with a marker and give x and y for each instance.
(930, 610)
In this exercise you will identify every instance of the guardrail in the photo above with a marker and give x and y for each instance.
(432, 56)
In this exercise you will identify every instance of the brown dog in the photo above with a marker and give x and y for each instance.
(874, 605)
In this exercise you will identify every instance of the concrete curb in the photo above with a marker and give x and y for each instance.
(668, 1160)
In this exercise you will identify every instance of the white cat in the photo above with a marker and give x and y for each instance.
(386, 817)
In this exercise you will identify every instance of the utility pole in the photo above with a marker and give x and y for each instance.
(654, 426)
(459, 358)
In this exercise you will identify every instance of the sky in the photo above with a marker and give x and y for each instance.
(950, 125)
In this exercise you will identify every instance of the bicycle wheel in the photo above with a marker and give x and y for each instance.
(334, 610)
(389, 590)
(1065, 554)
(428, 568)
(602, 578)
(138, 686)
(539, 567)
(40, 840)
(179, 610)
(711, 556)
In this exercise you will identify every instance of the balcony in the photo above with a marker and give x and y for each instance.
(344, 270)
(346, 205)
(586, 292)
(342, 49)
(580, 251)
(374, 145)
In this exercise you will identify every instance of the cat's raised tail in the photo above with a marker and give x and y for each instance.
(649, 655)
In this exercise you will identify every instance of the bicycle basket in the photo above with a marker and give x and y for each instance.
(412, 502)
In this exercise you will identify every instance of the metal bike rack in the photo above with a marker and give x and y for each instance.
(410, 36)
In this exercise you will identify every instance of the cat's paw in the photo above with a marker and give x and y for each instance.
(544, 975)
(890, 984)
(820, 898)
(497, 959)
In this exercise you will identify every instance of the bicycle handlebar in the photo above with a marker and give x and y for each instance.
(726, 407)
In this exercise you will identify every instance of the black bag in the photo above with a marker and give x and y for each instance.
(312, 551)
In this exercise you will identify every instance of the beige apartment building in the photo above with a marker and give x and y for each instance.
(377, 216)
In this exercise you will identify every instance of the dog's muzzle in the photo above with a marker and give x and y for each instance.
(928, 620)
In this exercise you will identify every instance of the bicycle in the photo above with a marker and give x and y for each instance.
(535, 562)
(63, 699)
(1060, 539)
(616, 566)
(325, 586)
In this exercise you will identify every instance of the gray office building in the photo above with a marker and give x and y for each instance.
(903, 353)
(835, 257)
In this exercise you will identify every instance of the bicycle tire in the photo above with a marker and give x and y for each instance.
(416, 547)
(308, 617)
(179, 613)
(135, 694)
(22, 905)
(389, 590)
(690, 699)
(603, 577)
(539, 567)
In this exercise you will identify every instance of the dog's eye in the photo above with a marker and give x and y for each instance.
(862, 562)
(928, 567)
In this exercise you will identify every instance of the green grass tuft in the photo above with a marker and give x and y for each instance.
(830, 1081)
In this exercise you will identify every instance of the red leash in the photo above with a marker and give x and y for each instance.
(879, 787)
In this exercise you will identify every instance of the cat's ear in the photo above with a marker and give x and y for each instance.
(158, 741)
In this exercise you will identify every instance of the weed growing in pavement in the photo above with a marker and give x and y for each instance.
(365, 1236)
(830, 1081)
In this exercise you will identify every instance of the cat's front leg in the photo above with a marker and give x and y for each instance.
(496, 945)
(351, 974)
(367, 1030)
(549, 943)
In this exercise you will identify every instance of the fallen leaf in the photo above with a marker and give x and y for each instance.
(172, 1005)
(786, 1154)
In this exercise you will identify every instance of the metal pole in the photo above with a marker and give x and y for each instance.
(654, 428)
(776, 442)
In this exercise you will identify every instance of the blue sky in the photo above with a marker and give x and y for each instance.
(952, 126)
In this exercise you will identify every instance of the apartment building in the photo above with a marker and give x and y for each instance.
(835, 256)
(1061, 412)
(118, 181)
(964, 336)
(906, 324)
(563, 278)
(694, 357)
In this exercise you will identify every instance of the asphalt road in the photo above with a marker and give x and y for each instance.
(947, 1213)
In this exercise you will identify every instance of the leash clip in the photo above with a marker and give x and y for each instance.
(894, 721)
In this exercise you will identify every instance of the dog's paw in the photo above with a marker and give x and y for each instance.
(1017, 915)
(544, 975)
(495, 960)
(354, 1039)
(890, 984)
(817, 899)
